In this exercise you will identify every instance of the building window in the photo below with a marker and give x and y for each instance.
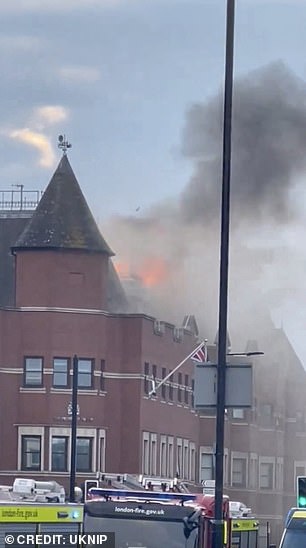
(225, 467)
(239, 468)
(102, 378)
(171, 387)
(60, 372)
(266, 475)
(186, 393)
(266, 418)
(253, 473)
(146, 377)
(59, 454)
(102, 453)
(30, 452)
(186, 460)
(154, 371)
(85, 369)
(238, 413)
(192, 461)
(279, 477)
(179, 458)
(170, 457)
(179, 388)
(153, 454)
(163, 386)
(145, 452)
(154, 374)
(299, 470)
(33, 372)
(206, 466)
(192, 394)
(84, 455)
(266, 410)
(163, 456)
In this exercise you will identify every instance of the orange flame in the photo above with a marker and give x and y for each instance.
(123, 269)
(153, 272)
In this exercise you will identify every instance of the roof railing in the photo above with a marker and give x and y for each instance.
(19, 200)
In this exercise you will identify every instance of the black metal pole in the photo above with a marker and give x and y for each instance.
(218, 534)
(74, 418)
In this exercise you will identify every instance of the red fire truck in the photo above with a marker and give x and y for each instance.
(164, 518)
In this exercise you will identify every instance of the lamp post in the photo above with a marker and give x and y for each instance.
(74, 418)
(223, 289)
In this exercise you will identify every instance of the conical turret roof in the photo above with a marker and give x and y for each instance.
(63, 219)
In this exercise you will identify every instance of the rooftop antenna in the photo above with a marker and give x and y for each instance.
(63, 143)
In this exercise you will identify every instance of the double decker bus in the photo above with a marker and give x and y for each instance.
(154, 519)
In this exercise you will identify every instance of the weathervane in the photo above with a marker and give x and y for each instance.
(63, 144)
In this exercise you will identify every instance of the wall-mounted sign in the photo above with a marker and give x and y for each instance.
(238, 386)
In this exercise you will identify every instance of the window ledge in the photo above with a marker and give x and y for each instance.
(63, 390)
(32, 390)
(87, 392)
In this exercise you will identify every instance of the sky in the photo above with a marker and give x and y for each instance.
(119, 78)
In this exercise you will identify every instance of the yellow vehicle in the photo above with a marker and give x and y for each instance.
(244, 533)
(38, 518)
(294, 535)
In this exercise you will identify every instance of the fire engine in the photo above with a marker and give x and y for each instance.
(142, 511)
(154, 512)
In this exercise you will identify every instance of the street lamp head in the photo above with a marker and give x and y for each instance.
(257, 353)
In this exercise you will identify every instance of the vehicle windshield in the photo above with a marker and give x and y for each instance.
(138, 533)
(294, 538)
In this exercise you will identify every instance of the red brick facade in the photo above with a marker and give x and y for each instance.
(61, 311)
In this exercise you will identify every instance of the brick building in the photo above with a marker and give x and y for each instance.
(60, 296)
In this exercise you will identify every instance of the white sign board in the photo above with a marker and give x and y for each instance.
(208, 483)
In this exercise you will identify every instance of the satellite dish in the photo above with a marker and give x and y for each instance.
(60, 138)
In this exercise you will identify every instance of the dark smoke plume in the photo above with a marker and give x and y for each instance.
(268, 162)
(268, 148)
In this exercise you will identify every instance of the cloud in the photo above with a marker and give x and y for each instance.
(35, 136)
(79, 74)
(51, 114)
(38, 141)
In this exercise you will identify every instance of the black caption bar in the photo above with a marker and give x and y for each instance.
(51, 540)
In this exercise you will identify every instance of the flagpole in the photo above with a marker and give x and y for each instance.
(177, 367)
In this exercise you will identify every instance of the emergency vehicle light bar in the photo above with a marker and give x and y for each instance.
(144, 495)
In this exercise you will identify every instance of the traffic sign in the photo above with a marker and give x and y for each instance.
(208, 483)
